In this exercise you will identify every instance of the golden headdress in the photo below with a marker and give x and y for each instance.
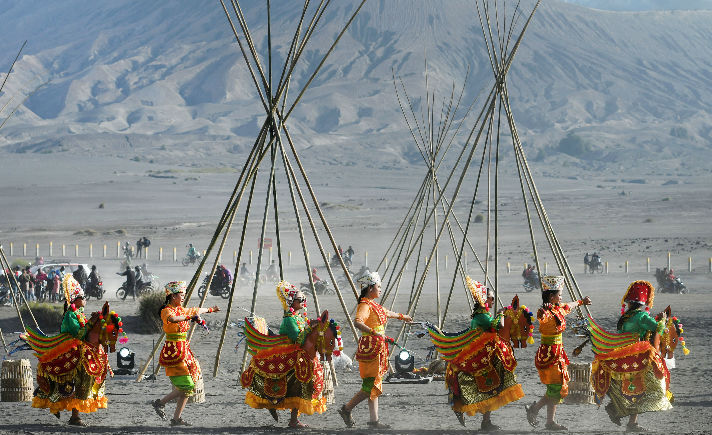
(478, 290)
(287, 293)
(71, 287)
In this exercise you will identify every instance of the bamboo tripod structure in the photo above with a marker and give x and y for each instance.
(495, 114)
(274, 152)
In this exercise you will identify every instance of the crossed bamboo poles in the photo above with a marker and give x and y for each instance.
(271, 142)
(431, 196)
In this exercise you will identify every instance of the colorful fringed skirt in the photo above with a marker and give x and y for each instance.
(181, 365)
(285, 377)
(552, 364)
(481, 378)
(372, 357)
(635, 377)
(72, 376)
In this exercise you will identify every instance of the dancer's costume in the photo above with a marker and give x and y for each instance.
(70, 372)
(281, 375)
(372, 352)
(176, 357)
(480, 372)
(627, 367)
(551, 360)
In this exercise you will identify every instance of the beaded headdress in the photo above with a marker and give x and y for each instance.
(478, 290)
(71, 287)
(369, 279)
(174, 287)
(639, 291)
(287, 293)
(552, 282)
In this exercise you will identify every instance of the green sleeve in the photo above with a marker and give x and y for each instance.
(70, 324)
(483, 321)
(647, 322)
(290, 328)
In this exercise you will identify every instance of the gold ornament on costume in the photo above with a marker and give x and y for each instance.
(287, 293)
(71, 287)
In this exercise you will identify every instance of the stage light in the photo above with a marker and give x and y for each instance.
(404, 362)
(125, 361)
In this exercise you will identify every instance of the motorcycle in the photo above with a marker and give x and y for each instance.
(674, 286)
(217, 288)
(595, 265)
(191, 259)
(335, 261)
(94, 290)
(321, 287)
(142, 288)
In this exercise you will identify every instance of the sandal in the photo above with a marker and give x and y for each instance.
(179, 422)
(532, 415)
(76, 421)
(346, 415)
(159, 408)
(555, 426)
(378, 425)
(273, 413)
(460, 417)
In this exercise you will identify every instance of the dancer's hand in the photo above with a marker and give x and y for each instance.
(586, 301)
(215, 309)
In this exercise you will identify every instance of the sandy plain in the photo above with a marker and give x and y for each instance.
(621, 220)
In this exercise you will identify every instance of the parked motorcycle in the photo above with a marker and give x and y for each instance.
(217, 288)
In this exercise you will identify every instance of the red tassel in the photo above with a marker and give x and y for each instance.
(622, 309)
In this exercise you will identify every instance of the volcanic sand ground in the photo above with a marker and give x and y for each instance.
(365, 211)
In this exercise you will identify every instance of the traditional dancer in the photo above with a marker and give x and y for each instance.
(551, 359)
(73, 365)
(480, 372)
(372, 353)
(634, 375)
(176, 357)
(285, 371)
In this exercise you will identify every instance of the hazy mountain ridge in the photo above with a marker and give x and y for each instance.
(635, 86)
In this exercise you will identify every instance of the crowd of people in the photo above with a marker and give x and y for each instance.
(45, 286)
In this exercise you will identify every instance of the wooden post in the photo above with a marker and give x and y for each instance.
(160, 254)
(50, 249)
(647, 265)
(689, 264)
(606, 268)
(234, 257)
(37, 250)
(175, 254)
(669, 263)
(104, 253)
(710, 269)
(64, 250)
(365, 257)
(626, 267)
(91, 250)
(145, 252)
(76, 250)
(118, 249)
(24, 249)
(250, 256)
(546, 268)
(509, 268)
(270, 255)
(290, 258)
